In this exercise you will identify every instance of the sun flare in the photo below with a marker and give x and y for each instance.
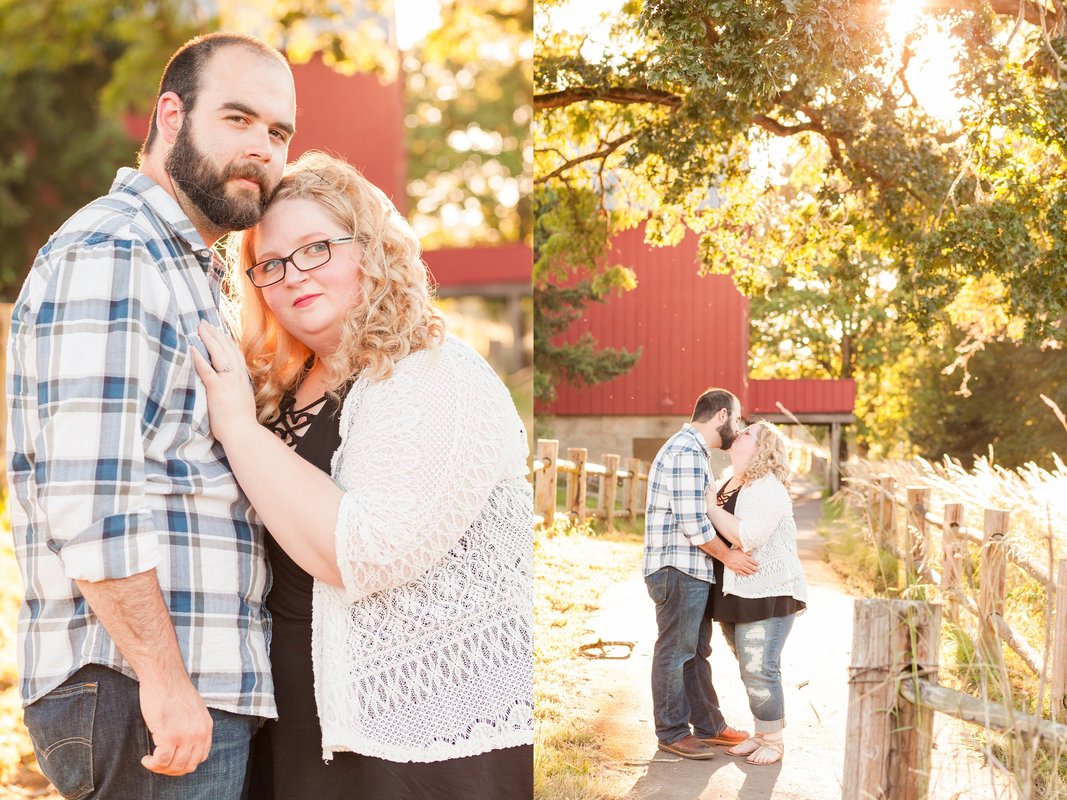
(934, 61)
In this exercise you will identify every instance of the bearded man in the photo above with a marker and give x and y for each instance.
(142, 635)
(679, 543)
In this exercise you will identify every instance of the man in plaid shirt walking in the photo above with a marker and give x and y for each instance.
(142, 635)
(679, 544)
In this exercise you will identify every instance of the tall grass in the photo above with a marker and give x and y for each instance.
(1037, 501)
(1036, 497)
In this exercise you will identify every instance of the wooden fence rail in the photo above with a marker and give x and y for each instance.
(893, 694)
(616, 487)
(893, 677)
(913, 546)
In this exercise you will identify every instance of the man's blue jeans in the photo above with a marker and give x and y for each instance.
(682, 692)
(89, 737)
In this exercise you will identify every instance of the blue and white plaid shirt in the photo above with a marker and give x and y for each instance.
(112, 467)
(676, 518)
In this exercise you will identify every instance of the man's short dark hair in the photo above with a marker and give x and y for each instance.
(711, 403)
(182, 73)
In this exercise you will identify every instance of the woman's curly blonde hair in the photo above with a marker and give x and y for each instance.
(771, 456)
(394, 314)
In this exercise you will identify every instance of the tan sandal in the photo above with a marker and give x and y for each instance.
(747, 747)
(767, 751)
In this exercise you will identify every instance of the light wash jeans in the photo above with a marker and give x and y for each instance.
(682, 692)
(89, 737)
(758, 648)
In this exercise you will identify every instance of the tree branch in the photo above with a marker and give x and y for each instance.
(618, 95)
(834, 140)
(605, 151)
(711, 36)
(1033, 11)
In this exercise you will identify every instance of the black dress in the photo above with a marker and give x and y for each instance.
(286, 762)
(730, 607)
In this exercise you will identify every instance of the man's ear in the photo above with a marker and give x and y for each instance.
(170, 114)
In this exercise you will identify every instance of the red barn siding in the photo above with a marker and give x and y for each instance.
(355, 117)
(693, 333)
(470, 266)
(801, 396)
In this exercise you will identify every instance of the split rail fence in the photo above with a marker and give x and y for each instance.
(893, 689)
(624, 497)
(627, 487)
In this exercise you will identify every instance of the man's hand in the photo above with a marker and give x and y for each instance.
(133, 612)
(740, 562)
(180, 726)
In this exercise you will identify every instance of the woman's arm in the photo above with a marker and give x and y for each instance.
(762, 505)
(423, 455)
(725, 522)
(297, 501)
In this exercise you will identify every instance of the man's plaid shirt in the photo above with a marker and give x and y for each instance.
(676, 518)
(112, 467)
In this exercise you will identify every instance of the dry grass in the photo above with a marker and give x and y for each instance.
(574, 568)
(1037, 501)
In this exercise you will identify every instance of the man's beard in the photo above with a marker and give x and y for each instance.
(728, 434)
(205, 186)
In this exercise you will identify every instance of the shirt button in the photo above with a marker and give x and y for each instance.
(204, 253)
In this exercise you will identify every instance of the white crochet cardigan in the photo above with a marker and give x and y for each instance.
(427, 652)
(769, 534)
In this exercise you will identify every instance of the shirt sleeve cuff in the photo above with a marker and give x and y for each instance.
(116, 547)
(702, 535)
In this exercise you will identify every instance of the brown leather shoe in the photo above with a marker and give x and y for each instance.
(727, 736)
(689, 747)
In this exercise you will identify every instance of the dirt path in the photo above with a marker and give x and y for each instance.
(814, 665)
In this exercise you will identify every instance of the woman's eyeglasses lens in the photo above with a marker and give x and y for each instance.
(306, 258)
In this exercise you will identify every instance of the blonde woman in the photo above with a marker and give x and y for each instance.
(388, 463)
(752, 510)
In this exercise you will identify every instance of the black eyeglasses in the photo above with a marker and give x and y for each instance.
(305, 258)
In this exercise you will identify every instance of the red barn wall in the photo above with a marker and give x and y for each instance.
(805, 396)
(355, 117)
(692, 331)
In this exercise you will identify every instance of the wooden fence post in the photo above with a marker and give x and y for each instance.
(887, 521)
(953, 548)
(1059, 645)
(915, 541)
(889, 509)
(545, 480)
(993, 575)
(874, 506)
(888, 740)
(835, 458)
(609, 486)
(576, 483)
(633, 488)
(643, 489)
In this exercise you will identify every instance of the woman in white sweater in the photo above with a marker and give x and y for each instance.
(388, 463)
(752, 510)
